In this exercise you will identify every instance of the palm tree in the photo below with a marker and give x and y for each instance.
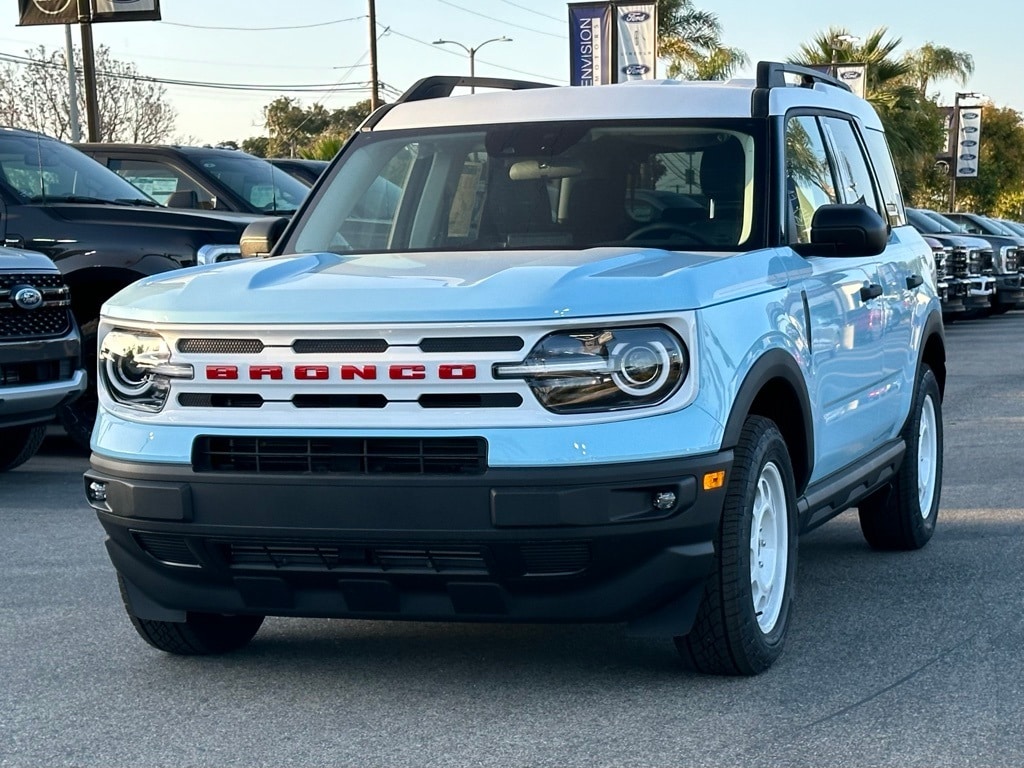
(691, 41)
(910, 120)
(937, 62)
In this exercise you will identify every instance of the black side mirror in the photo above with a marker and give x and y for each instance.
(260, 237)
(846, 230)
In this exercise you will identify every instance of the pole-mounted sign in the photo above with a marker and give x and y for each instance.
(35, 12)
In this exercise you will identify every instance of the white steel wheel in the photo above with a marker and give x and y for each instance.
(927, 457)
(769, 547)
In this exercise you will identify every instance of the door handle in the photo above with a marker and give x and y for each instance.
(913, 281)
(872, 291)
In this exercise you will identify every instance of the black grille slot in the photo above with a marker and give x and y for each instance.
(340, 455)
(339, 401)
(221, 346)
(219, 400)
(558, 558)
(473, 344)
(40, 280)
(167, 548)
(338, 346)
(36, 323)
(355, 558)
(487, 400)
(14, 374)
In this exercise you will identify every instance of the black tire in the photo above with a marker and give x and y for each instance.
(19, 444)
(201, 634)
(902, 515)
(79, 416)
(731, 636)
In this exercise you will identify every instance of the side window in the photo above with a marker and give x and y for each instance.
(855, 183)
(878, 150)
(809, 180)
(158, 180)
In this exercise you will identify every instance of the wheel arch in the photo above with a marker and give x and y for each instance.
(91, 287)
(933, 350)
(774, 388)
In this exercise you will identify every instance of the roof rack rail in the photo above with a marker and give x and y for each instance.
(772, 74)
(441, 86)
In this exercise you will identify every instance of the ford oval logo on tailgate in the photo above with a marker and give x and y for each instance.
(636, 69)
(27, 297)
(636, 17)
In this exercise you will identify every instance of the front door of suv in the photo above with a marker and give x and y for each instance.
(845, 314)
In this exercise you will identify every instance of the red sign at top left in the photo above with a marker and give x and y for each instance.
(34, 12)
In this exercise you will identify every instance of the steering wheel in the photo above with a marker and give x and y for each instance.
(670, 227)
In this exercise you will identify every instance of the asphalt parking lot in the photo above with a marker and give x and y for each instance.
(909, 659)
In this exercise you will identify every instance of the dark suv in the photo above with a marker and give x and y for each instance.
(102, 232)
(213, 178)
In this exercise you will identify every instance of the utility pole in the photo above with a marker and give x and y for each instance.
(374, 82)
(92, 114)
(76, 133)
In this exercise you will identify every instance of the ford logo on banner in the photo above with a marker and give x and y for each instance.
(970, 129)
(636, 17)
(967, 170)
(968, 157)
(970, 115)
(636, 69)
(968, 143)
(848, 75)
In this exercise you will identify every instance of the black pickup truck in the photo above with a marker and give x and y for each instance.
(40, 357)
(101, 231)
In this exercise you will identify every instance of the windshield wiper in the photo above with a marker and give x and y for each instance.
(138, 201)
(84, 199)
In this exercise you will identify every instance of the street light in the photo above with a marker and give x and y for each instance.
(845, 40)
(471, 52)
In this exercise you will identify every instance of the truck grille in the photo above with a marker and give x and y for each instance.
(340, 455)
(51, 319)
(959, 264)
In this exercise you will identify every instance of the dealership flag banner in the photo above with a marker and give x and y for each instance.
(590, 41)
(35, 12)
(854, 76)
(637, 28)
(968, 142)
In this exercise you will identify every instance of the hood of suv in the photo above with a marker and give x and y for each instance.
(449, 287)
(16, 259)
(145, 216)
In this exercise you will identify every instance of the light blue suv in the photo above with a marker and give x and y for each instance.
(603, 356)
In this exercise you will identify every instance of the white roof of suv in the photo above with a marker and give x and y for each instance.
(638, 100)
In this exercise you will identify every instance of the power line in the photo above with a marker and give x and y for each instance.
(262, 29)
(480, 61)
(503, 23)
(538, 13)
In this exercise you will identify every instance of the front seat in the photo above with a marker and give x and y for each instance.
(722, 179)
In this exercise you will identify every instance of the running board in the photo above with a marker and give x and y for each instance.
(842, 490)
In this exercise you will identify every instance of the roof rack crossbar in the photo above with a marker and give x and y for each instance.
(441, 86)
(772, 74)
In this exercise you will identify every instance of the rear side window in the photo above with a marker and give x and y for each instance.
(888, 183)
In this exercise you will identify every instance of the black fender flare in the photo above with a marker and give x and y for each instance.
(773, 364)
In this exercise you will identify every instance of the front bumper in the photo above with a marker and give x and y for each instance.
(1008, 290)
(555, 544)
(37, 377)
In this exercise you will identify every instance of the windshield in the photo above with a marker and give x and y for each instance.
(954, 226)
(263, 187)
(924, 223)
(540, 186)
(42, 169)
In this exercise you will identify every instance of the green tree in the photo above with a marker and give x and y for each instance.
(999, 187)
(297, 132)
(690, 40)
(35, 95)
(933, 62)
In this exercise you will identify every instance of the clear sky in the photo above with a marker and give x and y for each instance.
(230, 41)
